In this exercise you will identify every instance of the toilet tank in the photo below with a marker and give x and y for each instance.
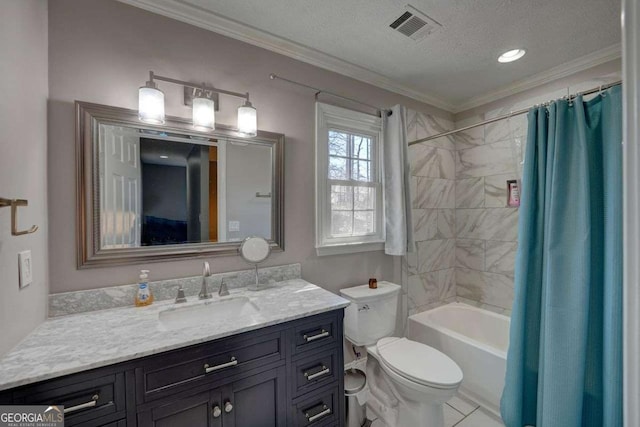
(372, 312)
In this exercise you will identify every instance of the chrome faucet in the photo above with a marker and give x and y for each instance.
(206, 272)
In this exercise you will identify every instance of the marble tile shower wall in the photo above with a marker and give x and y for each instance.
(429, 272)
(486, 229)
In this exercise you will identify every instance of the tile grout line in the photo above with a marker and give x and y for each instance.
(455, 409)
(466, 416)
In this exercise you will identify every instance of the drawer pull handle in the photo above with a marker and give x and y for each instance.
(322, 334)
(93, 402)
(321, 373)
(208, 369)
(322, 414)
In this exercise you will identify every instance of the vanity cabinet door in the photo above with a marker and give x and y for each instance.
(196, 410)
(256, 401)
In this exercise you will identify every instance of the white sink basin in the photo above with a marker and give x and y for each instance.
(207, 313)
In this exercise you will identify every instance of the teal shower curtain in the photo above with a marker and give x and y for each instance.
(564, 364)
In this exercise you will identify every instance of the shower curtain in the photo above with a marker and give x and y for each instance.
(564, 364)
(397, 188)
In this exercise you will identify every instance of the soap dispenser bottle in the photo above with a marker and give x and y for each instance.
(144, 296)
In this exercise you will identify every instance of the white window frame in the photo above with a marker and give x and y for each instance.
(330, 117)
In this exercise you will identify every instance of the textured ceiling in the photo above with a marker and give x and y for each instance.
(456, 63)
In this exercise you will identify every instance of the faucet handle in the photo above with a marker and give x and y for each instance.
(180, 297)
(223, 291)
(206, 271)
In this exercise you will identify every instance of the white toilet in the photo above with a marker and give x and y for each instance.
(409, 381)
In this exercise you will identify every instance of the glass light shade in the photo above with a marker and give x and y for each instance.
(204, 114)
(151, 105)
(247, 120)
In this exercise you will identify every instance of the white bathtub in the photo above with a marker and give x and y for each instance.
(475, 339)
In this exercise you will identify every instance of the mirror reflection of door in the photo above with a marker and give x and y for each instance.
(120, 187)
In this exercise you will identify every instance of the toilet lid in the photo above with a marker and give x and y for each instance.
(420, 363)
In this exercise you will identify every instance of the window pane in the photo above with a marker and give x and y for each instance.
(341, 198)
(362, 147)
(338, 143)
(341, 223)
(363, 222)
(364, 198)
(361, 170)
(338, 168)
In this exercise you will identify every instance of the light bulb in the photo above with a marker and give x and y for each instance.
(151, 104)
(204, 114)
(512, 55)
(247, 119)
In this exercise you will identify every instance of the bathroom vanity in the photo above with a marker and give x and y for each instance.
(279, 365)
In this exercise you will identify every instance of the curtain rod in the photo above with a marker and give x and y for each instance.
(512, 114)
(318, 91)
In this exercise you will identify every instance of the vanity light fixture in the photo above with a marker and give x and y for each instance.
(151, 105)
(511, 55)
(204, 113)
(247, 119)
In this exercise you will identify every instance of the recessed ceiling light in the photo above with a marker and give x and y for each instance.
(164, 157)
(512, 55)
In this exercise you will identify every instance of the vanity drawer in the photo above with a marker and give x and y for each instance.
(319, 332)
(184, 369)
(318, 410)
(89, 402)
(312, 372)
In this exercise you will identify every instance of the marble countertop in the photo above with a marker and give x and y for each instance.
(79, 342)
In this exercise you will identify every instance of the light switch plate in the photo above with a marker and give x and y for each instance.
(25, 268)
(234, 225)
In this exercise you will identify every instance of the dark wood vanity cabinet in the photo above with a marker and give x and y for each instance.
(288, 375)
(258, 400)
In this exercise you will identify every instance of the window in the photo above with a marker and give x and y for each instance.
(349, 214)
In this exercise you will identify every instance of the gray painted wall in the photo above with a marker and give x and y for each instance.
(101, 51)
(23, 162)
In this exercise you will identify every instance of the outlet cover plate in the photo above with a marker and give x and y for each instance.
(25, 268)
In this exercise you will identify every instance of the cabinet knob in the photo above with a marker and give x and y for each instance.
(216, 411)
(228, 407)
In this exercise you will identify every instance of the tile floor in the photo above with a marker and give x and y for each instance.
(460, 412)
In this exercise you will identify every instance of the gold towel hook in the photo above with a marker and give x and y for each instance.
(14, 203)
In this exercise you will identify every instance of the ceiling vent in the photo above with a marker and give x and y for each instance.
(414, 24)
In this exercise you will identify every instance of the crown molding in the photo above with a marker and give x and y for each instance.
(181, 10)
(583, 63)
(203, 18)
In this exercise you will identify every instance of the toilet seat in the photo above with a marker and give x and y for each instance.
(419, 363)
